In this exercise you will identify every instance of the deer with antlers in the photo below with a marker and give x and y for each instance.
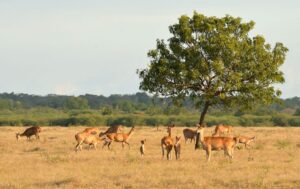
(210, 143)
(118, 137)
(167, 143)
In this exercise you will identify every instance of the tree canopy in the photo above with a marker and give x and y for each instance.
(215, 62)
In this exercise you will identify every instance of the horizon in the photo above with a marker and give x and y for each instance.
(106, 96)
(75, 48)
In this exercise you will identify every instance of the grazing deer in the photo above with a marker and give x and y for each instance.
(189, 134)
(177, 147)
(112, 129)
(142, 148)
(245, 140)
(221, 129)
(90, 139)
(215, 143)
(118, 137)
(35, 130)
(167, 143)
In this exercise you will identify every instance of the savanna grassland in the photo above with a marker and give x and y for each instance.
(272, 162)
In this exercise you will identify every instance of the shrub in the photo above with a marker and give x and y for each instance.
(126, 121)
(151, 121)
(280, 120)
(295, 121)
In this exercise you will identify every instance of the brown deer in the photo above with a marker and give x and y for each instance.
(177, 147)
(167, 143)
(118, 137)
(189, 134)
(112, 129)
(35, 130)
(90, 139)
(87, 136)
(92, 130)
(215, 143)
(142, 147)
(222, 129)
(245, 140)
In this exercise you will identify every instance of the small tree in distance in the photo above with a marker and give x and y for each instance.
(215, 62)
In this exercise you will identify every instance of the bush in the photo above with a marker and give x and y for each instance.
(295, 121)
(30, 122)
(126, 121)
(280, 120)
(151, 121)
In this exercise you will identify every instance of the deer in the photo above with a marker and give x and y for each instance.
(189, 134)
(221, 129)
(167, 143)
(177, 147)
(211, 143)
(142, 147)
(92, 130)
(112, 129)
(245, 140)
(35, 130)
(87, 136)
(90, 139)
(118, 137)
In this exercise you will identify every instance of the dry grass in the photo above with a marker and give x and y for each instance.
(273, 162)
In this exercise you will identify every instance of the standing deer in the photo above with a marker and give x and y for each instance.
(118, 137)
(177, 147)
(221, 129)
(35, 130)
(142, 148)
(167, 143)
(90, 139)
(189, 134)
(92, 130)
(87, 136)
(215, 143)
(112, 129)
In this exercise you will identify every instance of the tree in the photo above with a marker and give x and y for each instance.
(76, 103)
(214, 61)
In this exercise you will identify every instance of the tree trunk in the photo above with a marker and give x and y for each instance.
(203, 113)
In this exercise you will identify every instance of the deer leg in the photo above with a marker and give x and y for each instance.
(109, 145)
(128, 144)
(208, 153)
(168, 154)
(122, 145)
(163, 151)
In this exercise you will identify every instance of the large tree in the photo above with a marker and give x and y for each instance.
(215, 61)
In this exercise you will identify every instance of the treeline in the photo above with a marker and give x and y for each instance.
(137, 109)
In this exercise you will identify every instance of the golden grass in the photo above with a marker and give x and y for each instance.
(272, 162)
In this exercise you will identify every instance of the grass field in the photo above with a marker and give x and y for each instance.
(273, 162)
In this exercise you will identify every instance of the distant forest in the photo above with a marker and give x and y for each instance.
(136, 109)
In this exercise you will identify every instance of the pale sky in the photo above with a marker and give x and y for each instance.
(76, 47)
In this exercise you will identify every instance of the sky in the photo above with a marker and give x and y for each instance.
(74, 47)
